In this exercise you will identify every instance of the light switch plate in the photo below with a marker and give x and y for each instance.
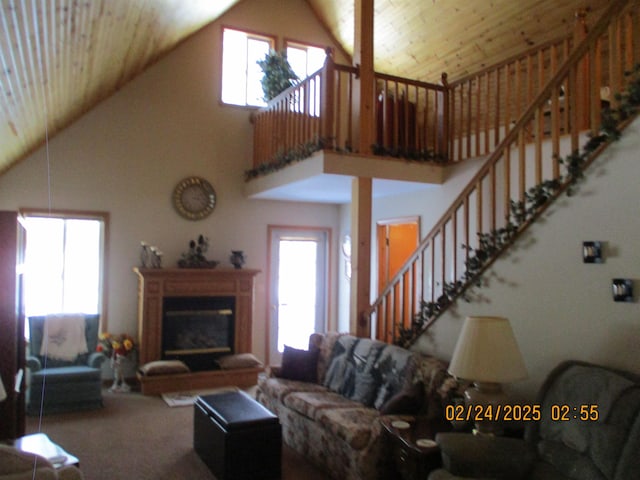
(622, 289)
(592, 252)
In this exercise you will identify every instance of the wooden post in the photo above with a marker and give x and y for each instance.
(361, 200)
(365, 83)
(361, 258)
(327, 98)
(443, 119)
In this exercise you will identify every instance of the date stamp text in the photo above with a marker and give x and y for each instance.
(521, 413)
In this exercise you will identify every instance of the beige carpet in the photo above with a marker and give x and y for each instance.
(188, 398)
(140, 437)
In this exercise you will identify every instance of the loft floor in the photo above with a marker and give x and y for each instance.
(326, 177)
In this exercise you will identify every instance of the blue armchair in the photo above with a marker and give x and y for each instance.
(61, 385)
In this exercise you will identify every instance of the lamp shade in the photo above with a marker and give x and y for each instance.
(487, 351)
(3, 392)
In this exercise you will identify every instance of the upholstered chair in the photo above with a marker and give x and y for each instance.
(18, 465)
(67, 384)
(589, 429)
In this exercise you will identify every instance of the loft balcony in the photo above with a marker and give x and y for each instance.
(326, 175)
(304, 139)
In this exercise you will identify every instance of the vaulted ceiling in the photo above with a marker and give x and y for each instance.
(59, 59)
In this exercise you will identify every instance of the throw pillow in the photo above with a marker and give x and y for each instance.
(164, 367)
(239, 360)
(365, 389)
(301, 365)
(407, 401)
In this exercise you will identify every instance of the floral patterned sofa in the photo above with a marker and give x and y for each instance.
(329, 400)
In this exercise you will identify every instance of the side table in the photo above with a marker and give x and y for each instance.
(414, 450)
(41, 444)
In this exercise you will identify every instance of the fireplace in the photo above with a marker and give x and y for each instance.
(197, 330)
(195, 315)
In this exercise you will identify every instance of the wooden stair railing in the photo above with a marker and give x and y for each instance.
(484, 106)
(551, 127)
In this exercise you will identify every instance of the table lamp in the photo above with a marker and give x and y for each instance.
(488, 355)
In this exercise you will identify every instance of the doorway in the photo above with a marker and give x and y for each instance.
(397, 239)
(298, 266)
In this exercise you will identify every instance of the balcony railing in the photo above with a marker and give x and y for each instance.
(319, 113)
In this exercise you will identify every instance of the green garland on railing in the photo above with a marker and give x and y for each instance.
(305, 150)
(410, 154)
(524, 212)
(284, 159)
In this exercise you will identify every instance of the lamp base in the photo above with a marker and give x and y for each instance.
(484, 398)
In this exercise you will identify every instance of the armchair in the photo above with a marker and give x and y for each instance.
(565, 443)
(67, 384)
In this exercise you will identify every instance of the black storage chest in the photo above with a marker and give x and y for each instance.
(237, 437)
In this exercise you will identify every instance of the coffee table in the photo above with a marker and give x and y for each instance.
(415, 452)
(41, 444)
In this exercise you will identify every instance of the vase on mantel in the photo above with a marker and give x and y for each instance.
(237, 258)
(119, 383)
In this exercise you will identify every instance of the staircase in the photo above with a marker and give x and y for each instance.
(537, 147)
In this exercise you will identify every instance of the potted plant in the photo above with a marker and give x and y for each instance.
(278, 74)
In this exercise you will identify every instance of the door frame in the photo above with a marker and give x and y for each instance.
(270, 287)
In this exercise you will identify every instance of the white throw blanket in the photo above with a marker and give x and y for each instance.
(63, 337)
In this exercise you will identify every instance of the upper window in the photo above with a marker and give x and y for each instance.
(304, 59)
(241, 74)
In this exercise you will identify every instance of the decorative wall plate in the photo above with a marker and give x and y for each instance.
(194, 198)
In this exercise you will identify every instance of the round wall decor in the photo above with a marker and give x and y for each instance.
(194, 198)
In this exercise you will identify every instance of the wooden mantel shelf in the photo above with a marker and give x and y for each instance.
(154, 284)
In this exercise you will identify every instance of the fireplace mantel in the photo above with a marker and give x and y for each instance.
(154, 284)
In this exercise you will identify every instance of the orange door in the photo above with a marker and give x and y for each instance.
(397, 240)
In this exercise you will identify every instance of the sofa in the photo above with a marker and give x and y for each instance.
(329, 400)
(589, 429)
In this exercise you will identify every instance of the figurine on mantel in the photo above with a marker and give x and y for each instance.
(194, 257)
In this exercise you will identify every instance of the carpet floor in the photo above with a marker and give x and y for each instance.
(140, 437)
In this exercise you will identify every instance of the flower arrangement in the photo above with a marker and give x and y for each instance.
(112, 345)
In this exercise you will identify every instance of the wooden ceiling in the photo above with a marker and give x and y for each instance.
(59, 59)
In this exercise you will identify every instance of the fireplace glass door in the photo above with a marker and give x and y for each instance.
(197, 330)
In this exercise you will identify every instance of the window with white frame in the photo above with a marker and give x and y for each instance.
(305, 60)
(241, 74)
(64, 262)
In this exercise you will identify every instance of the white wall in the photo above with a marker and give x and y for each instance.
(126, 156)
